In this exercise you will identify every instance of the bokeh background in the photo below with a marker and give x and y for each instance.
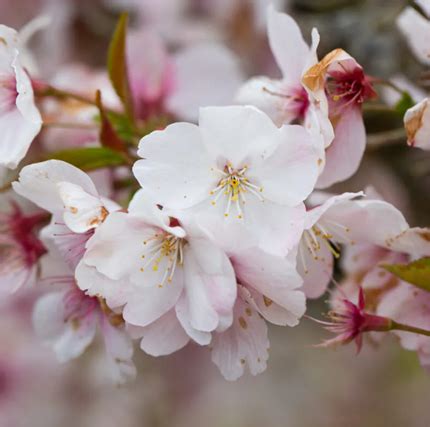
(303, 386)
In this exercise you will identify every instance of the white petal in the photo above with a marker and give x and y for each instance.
(424, 5)
(416, 29)
(83, 211)
(96, 284)
(21, 122)
(164, 336)
(38, 183)
(117, 246)
(143, 206)
(372, 221)
(183, 315)
(275, 277)
(119, 349)
(316, 270)
(271, 96)
(287, 44)
(343, 156)
(150, 303)
(314, 214)
(277, 229)
(210, 285)
(238, 134)
(68, 340)
(175, 168)
(245, 343)
(288, 176)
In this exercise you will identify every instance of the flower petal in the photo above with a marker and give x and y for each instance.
(343, 156)
(238, 134)
(175, 168)
(244, 343)
(287, 44)
(288, 176)
(164, 336)
(38, 183)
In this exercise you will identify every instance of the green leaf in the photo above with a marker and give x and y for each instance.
(416, 273)
(90, 158)
(117, 64)
(404, 103)
(122, 125)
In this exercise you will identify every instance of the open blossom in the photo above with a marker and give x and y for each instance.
(166, 276)
(68, 320)
(339, 78)
(72, 198)
(20, 248)
(287, 100)
(20, 119)
(197, 75)
(341, 221)
(268, 291)
(237, 171)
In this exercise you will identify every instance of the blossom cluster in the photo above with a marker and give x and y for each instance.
(146, 228)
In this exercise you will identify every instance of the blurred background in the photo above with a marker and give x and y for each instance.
(303, 386)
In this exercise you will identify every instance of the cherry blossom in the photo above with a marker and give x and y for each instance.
(71, 197)
(21, 249)
(341, 221)
(287, 100)
(20, 119)
(68, 320)
(268, 291)
(165, 276)
(342, 80)
(235, 170)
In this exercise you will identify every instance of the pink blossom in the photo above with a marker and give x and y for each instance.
(287, 100)
(339, 78)
(340, 221)
(171, 279)
(20, 119)
(254, 188)
(268, 291)
(73, 200)
(21, 249)
(67, 319)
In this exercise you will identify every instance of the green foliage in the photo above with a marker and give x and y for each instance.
(123, 126)
(90, 158)
(416, 273)
(404, 103)
(117, 64)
